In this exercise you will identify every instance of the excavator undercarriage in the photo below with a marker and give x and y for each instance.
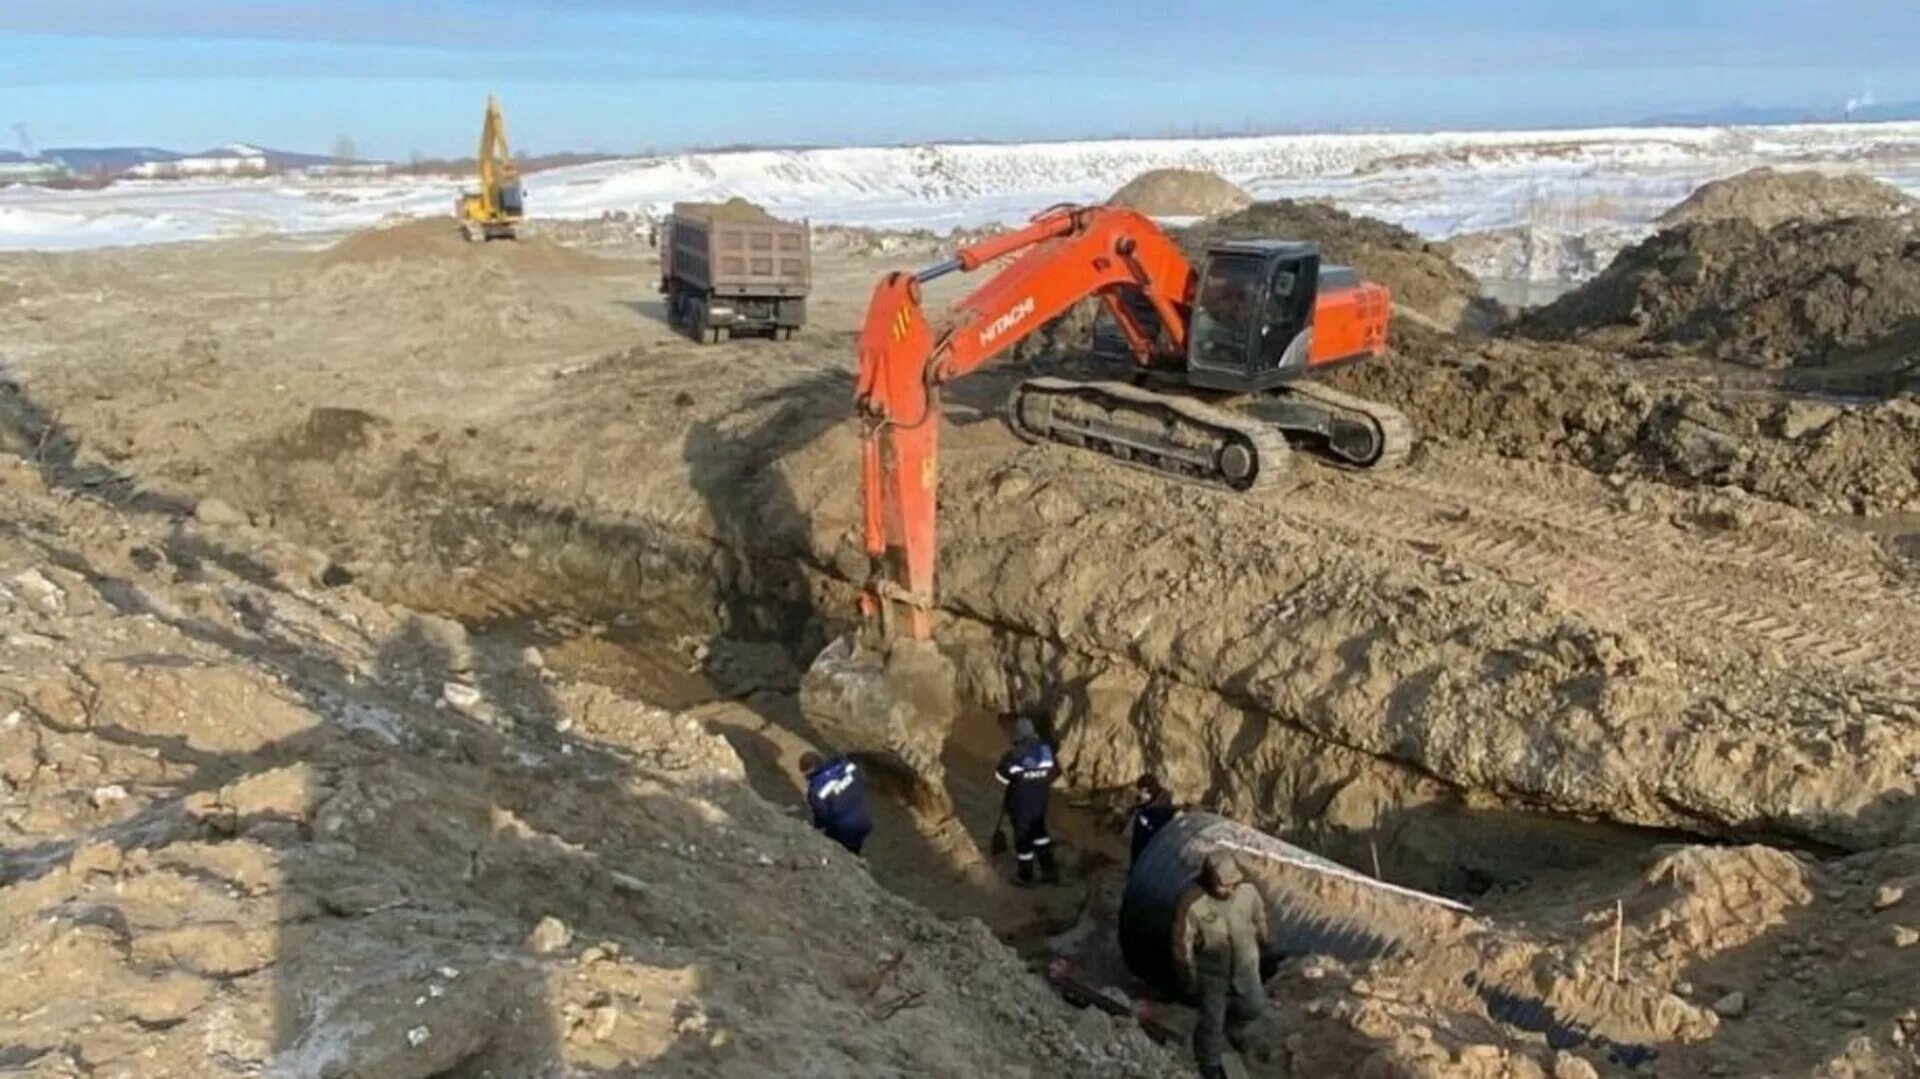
(1241, 444)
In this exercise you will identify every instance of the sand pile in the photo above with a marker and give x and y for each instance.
(735, 209)
(1801, 294)
(439, 238)
(1767, 197)
(1181, 193)
(1422, 275)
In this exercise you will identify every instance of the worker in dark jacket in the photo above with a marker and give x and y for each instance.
(837, 795)
(1152, 809)
(1028, 769)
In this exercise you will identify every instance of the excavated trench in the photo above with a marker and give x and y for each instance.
(683, 622)
(687, 624)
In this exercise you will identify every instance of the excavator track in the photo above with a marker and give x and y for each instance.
(1350, 431)
(1163, 433)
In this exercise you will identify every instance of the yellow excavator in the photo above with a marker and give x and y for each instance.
(494, 211)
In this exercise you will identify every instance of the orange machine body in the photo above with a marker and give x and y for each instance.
(1060, 258)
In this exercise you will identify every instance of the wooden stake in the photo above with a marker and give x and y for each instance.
(1619, 928)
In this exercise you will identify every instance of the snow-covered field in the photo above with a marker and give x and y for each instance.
(1605, 185)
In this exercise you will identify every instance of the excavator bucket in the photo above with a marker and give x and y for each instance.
(892, 709)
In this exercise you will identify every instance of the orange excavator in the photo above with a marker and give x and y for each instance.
(1220, 353)
(1219, 389)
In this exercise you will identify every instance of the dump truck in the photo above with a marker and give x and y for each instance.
(731, 268)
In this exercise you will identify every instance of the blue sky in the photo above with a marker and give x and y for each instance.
(405, 76)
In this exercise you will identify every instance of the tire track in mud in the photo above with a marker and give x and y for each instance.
(1765, 594)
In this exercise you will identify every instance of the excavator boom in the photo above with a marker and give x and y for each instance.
(1064, 256)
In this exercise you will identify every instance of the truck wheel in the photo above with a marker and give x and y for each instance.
(697, 320)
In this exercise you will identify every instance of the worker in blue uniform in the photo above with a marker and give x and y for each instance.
(1028, 769)
(837, 795)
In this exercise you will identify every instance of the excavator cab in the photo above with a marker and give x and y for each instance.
(512, 200)
(1252, 323)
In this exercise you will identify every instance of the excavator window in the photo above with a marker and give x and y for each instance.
(1226, 304)
(1290, 297)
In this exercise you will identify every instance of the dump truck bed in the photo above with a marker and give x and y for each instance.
(728, 250)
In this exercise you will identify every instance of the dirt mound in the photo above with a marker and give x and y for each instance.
(1422, 275)
(1181, 193)
(1801, 294)
(1771, 965)
(1767, 197)
(736, 209)
(1571, 404)
(439, 238)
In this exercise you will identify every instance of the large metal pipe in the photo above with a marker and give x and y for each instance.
(1314, 906)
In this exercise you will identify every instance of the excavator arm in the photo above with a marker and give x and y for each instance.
(1062, 257)
(496, 160)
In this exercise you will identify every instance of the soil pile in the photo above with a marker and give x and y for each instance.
(1181, 193)
(259, 824)
(736, 210)
(1767, 197)
(1802, 294)
(1571, 404)
(1423, 276)
(1771, 965)
(434, 238)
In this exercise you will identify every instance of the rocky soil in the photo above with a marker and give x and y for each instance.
(1679, 425)
(1802, 294)
(256, 823)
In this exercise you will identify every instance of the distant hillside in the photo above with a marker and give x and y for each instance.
(280, 159)
(112, 159)
(116, 160)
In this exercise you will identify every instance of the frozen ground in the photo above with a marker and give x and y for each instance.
(1600, 185)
